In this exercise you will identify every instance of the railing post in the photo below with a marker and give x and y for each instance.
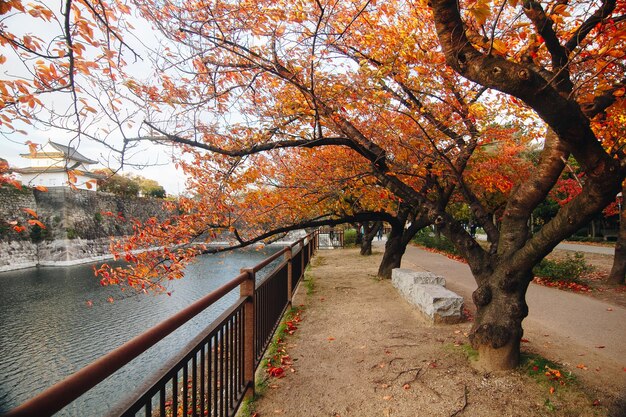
(288, 255)
(247, 290)
(302, 260)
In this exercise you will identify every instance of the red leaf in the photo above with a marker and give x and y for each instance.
(276, 372)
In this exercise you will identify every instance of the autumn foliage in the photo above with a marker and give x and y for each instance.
(293, 113)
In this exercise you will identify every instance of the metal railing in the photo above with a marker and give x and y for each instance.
(213, 374)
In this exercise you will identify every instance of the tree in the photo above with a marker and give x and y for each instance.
(150, 188)
(117, 184)
(369, 80)
(348, 107)
(542, 74)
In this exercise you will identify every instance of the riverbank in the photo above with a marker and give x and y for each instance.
(16, 255)
(361, 350)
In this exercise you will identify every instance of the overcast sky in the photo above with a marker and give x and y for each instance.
(152, 162)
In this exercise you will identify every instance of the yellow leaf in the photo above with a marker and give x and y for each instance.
(481, 11)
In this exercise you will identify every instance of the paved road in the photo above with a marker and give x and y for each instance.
(576, 247)
(564, 326)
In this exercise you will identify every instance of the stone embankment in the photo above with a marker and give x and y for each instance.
(78, 225)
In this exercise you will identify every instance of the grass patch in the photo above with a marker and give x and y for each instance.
(544, 371)
(247, 408)
(469, 351)
(309, 283)
(570, 269)
(564, 394)
(273, 362)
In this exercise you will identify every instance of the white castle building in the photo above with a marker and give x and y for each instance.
(53, 165)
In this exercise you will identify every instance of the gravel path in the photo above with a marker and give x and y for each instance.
(361, 350)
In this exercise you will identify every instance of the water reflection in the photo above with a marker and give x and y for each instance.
(48, 331)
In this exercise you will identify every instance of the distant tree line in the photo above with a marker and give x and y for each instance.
(129, 185)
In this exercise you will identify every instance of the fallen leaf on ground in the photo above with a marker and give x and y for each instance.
(609, 309)
(387, 397)
(581, 366)
(331, 339)
(525, 341)
(600, 346)
(551, 390)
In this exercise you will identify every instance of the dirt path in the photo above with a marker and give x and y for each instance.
(361, 350)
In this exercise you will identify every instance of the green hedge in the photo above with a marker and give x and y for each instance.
(426, 237)
(570, 269)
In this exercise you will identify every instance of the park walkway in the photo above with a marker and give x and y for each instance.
(564, 326)
(361, 350)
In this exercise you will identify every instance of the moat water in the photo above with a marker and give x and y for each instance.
(49, 329)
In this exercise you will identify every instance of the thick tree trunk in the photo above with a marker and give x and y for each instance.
(370, 232)
(497, 329)
(366, 247)
(619, 259)
(394, 250)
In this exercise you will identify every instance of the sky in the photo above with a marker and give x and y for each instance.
(153, 161)
(158, 165)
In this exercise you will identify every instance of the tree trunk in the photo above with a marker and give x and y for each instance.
(359, 234)
(394, 249)
(368, 237)
(593, 229)
(366, 247)
(497, 329)
(619, 259)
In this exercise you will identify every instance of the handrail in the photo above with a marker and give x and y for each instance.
(64, 392)
(269, 260)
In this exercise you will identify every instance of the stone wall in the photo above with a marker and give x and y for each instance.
(78, 223)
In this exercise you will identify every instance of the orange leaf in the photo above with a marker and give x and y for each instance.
(36, 223)
(41, 188)
(31, 212)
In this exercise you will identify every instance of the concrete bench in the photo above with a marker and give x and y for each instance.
(405, 278)
(426, 291)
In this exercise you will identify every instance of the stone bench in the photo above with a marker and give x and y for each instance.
(426, 291)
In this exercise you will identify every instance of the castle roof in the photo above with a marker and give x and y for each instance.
(60, 152)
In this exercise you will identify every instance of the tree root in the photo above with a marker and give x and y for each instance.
(464, 402)
(417, 372)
